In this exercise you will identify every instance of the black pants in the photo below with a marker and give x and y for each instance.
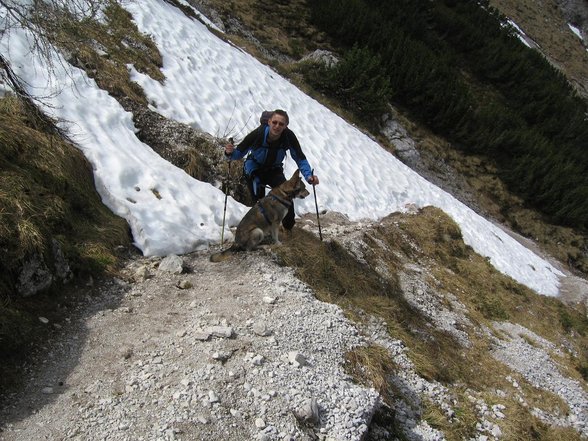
(272, 177)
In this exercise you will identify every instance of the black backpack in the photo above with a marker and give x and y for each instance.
(265, 116)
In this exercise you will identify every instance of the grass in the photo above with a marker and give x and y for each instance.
(372, 366)
(47, 197)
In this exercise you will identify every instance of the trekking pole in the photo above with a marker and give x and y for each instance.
(316, 205)
(226, 196)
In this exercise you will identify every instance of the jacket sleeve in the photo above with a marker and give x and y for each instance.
(244, 146)
(299, 157)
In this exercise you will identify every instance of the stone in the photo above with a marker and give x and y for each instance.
(221, 356)
(220, 331)
(213, 397)
(141, 274)
(184, 284)
(201, 335)
(297, 359)
(309, 412)
(34, 277)
(260, 329)
(62, 269)
(172, 264)
(325, 57)
(257, 360)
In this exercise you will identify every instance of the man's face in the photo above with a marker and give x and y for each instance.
(277, 124)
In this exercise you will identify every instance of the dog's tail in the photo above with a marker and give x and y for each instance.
(224, 255)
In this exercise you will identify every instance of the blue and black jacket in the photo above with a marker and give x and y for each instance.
(263, 155)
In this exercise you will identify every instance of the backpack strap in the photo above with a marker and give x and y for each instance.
(265, 134)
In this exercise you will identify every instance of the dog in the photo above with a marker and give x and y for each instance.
(265, 217)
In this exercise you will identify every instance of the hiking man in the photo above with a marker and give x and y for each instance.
(266, 148)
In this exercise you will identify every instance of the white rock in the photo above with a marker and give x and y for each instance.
(141, 273)
(172, 264)
(261, 330)
(309, 412)
(201, 335)
(213, 397)
(220, 331)
(257, 360)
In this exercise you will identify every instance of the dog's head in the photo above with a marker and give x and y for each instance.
(294, 187)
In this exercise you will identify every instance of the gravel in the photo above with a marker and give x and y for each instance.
(182, 348)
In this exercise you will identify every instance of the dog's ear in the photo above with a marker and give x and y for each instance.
(295, 176)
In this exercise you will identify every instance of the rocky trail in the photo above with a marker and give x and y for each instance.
(182, 348)
(234, 350)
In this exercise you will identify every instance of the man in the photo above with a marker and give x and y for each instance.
(266, 149)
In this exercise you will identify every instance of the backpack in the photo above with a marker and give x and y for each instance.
(265, 116)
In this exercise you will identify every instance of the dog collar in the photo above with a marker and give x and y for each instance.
(284, 202)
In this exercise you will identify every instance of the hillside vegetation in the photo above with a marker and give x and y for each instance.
(457, 68)
(53, 226)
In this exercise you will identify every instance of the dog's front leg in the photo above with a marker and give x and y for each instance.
(275, 229)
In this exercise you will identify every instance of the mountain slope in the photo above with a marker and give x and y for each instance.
(474, 179)
(433, 312)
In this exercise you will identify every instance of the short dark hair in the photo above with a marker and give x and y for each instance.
(282, 113)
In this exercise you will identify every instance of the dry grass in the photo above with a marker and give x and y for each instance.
(372, 366)
(431, 239)
(46, 194)
(104, 50)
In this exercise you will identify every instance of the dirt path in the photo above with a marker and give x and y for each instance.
(225, 351)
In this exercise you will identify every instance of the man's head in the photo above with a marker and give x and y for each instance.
(278, 122)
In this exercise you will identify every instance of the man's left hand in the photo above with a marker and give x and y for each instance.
(314, 180)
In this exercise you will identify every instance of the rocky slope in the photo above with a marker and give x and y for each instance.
(182, 348)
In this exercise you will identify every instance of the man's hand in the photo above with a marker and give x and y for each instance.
(313, 180)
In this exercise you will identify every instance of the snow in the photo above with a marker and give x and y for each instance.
(217, 87)
(520, 33)
(576, 31)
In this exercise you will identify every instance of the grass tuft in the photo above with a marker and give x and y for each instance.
(372, 366)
